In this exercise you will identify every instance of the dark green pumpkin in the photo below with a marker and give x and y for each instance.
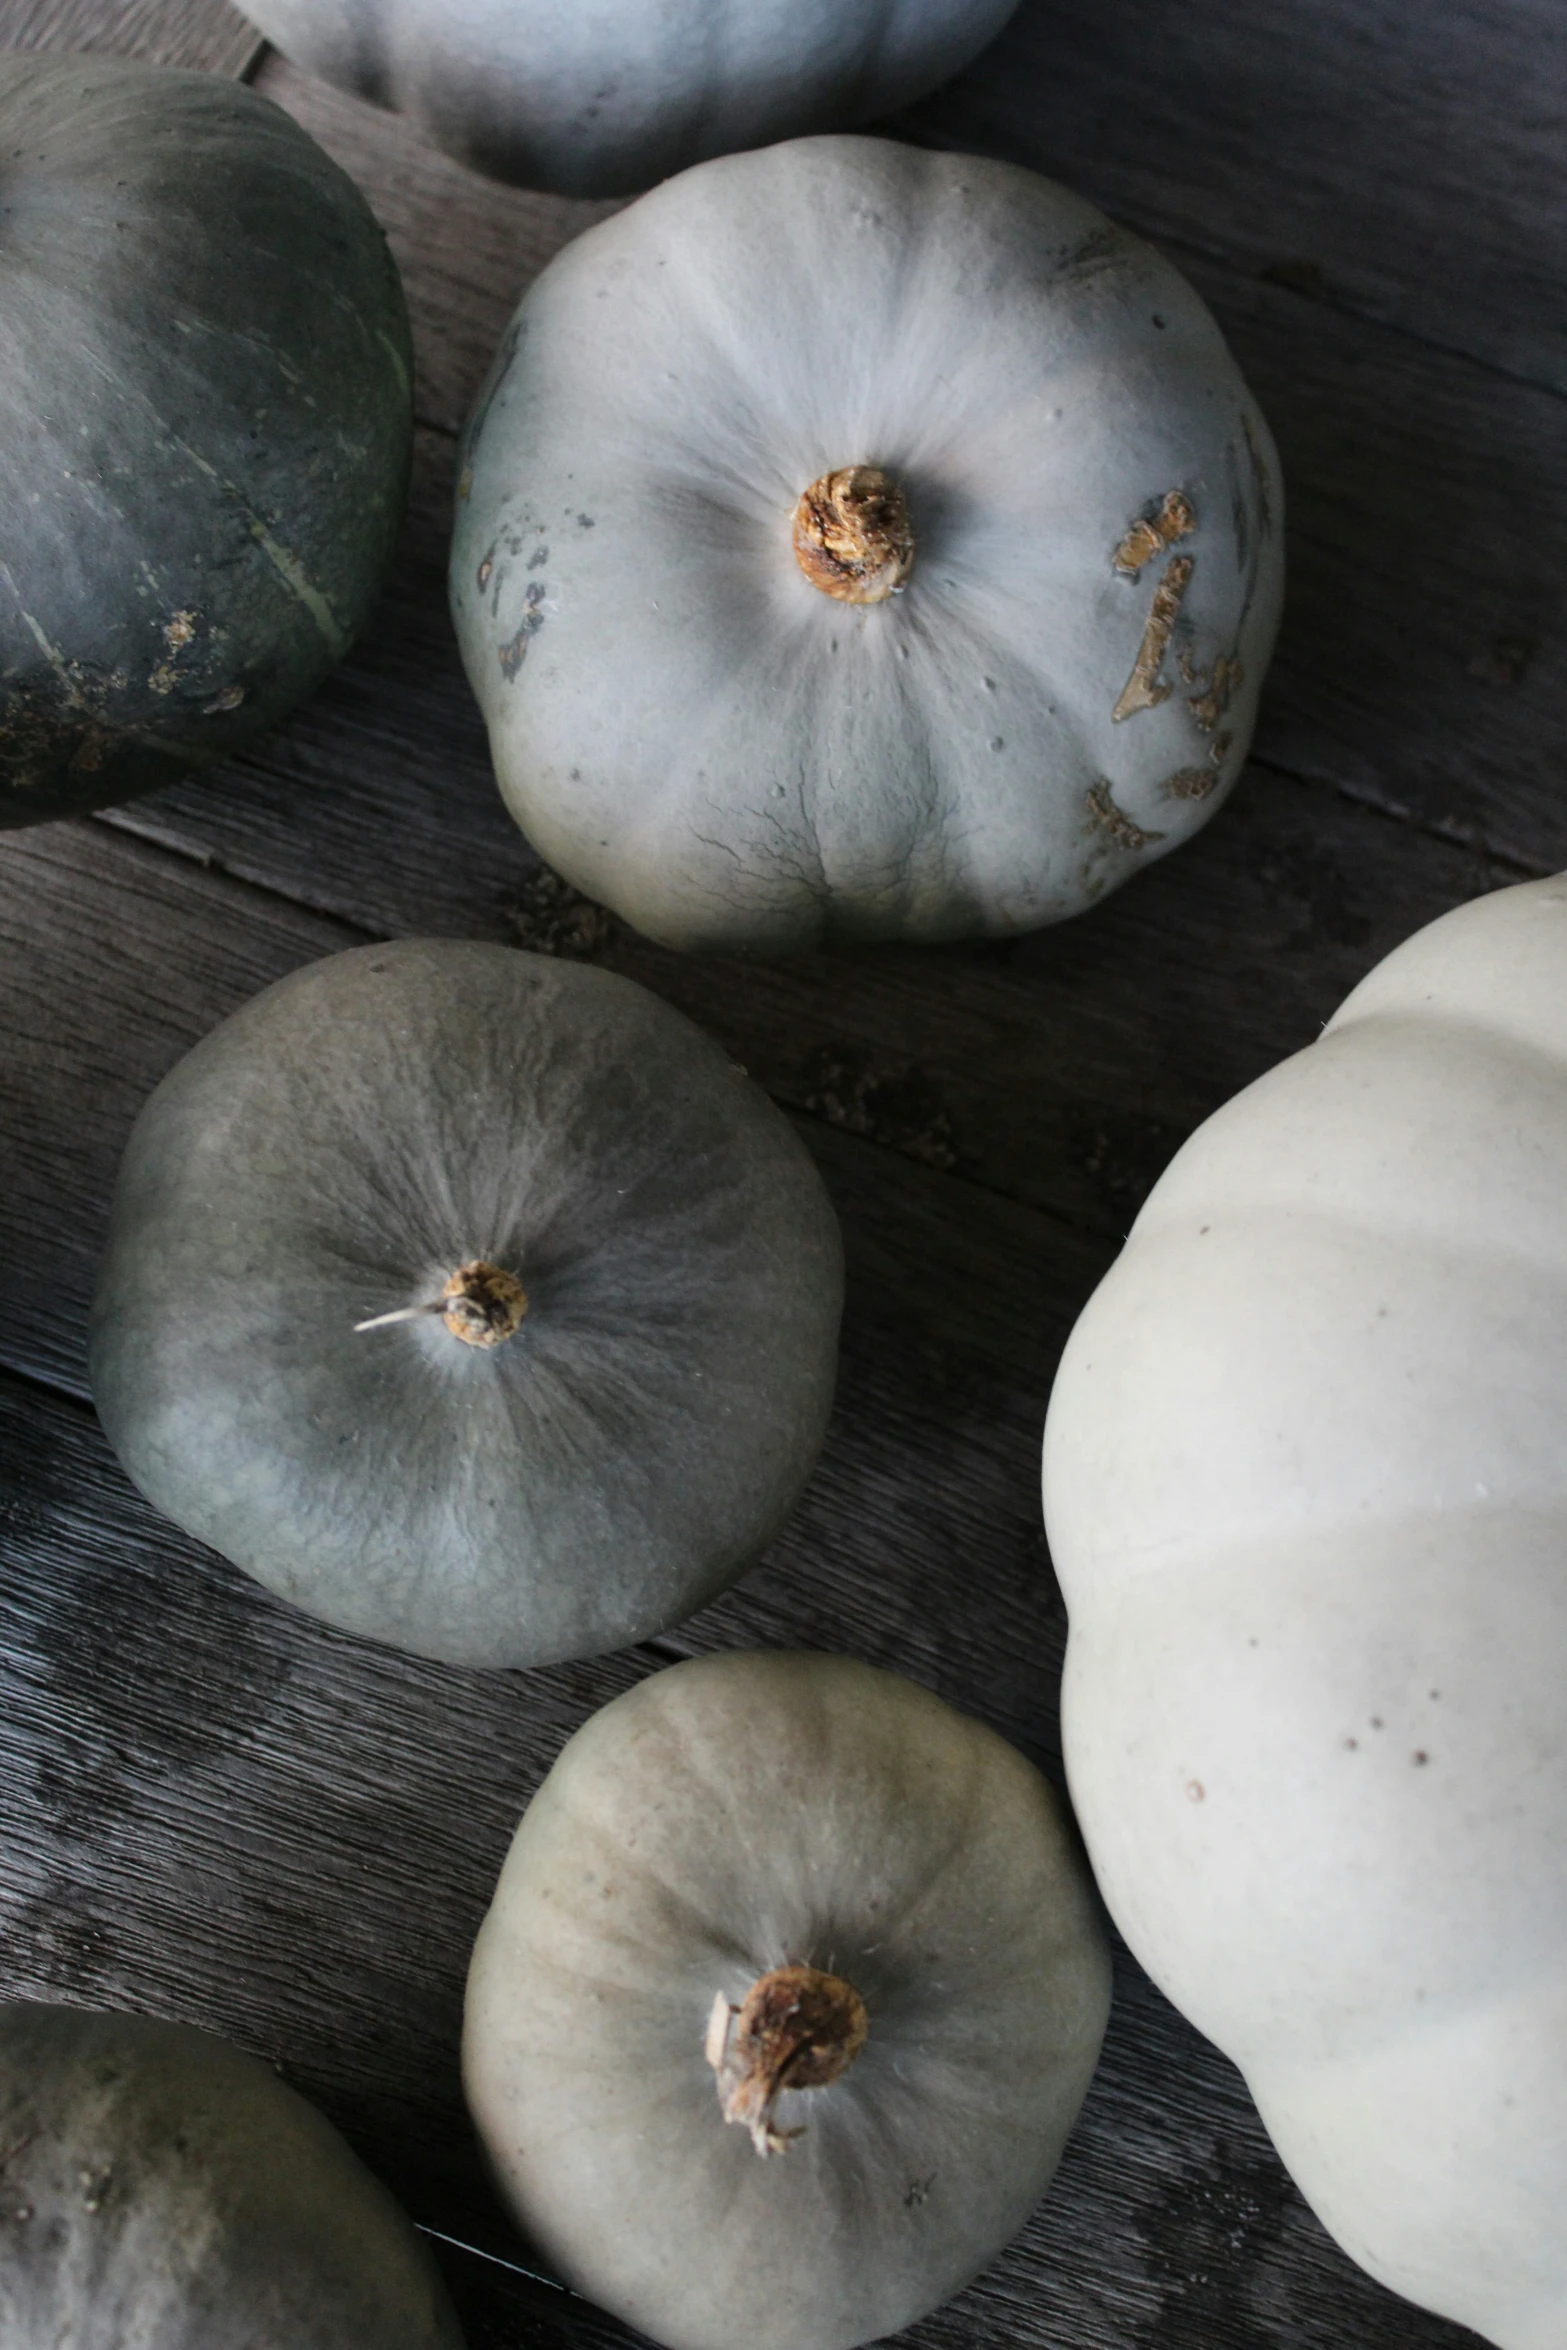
(334, 1155)
(205, 424)
(162, 2191)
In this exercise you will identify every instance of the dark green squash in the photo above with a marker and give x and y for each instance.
(161, 2189)
(474, 1301)
(205, 424)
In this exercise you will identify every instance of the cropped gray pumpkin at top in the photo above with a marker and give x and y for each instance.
(164, 2191)
(790, 1992)
(603, 97)
(473, 1301)
(854, 542)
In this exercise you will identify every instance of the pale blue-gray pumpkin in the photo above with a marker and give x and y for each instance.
(475, 1302)
(858, 542)
(164, 2191)
(789, 1995)
(205, 424)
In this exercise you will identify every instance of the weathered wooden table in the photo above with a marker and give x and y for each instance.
(217, 1810)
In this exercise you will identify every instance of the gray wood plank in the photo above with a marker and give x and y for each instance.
(1398, 160)
(206, 33)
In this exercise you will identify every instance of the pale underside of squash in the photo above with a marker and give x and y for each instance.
(1306, 1492)
(603, 97)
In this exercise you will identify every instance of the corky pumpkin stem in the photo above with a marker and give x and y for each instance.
(798, 2029)
(481, 1304)
(852, 535)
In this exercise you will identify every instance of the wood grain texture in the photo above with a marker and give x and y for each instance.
(207, 33)
(1404, 163)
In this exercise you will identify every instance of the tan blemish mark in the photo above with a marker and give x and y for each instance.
(1176, 519)
(1189, 783)
(1209, 707)
(465, 484)
(229, 699)
(1219, 748)
(1144, 690)
(1195, 1791)
(514, 652)
(1122, 829)
(852, 535)
(799, 2028)
(177, 634)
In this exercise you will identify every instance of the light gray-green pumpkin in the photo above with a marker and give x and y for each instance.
(205, 424)
(162, 2191)
(853, 541)
(602, 97)
(475, 1302)
(790, 1992)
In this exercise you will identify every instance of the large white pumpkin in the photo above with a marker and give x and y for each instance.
(854, 541)
(603, 97)
(1306, 1488)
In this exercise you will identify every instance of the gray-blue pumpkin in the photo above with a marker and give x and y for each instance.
(473, 1301)
(205, 424)
(162, 2189)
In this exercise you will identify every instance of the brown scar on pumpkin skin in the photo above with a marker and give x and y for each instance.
(178, 632)
(1122, 829)
(1209, 707)
(1189, 783)
(1144, 689)
(1176, 519)
(514, 652)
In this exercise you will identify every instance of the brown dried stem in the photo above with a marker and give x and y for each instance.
(798, 2028)
(852, 535)
(481, 1304)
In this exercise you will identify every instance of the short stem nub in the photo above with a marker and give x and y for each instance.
(852, 535)
(797, 2029)
(480, 1304)
(483, 1304)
